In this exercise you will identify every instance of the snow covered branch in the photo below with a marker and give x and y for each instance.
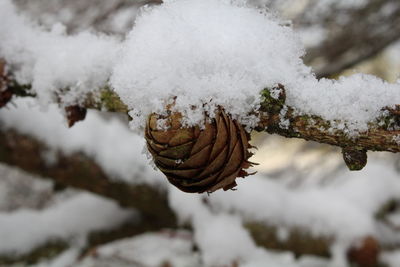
(276, 117)
(80, 172)
(382, 135)
(155, 66)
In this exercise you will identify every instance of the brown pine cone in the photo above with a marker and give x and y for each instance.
(199, 160)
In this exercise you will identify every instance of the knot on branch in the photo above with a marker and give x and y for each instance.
(273, 100)
(392, 120)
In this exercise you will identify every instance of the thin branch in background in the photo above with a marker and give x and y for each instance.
(368, 30)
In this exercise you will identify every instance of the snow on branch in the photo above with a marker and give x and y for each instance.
(57, 66)
(80, 172)
(202, 55)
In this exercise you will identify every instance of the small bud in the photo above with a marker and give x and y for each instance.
(75, 114)
(5, 93)
(5, 97)
(365, 253)
(355, 159)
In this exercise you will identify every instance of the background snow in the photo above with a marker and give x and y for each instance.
(23, 230)
(107, 140)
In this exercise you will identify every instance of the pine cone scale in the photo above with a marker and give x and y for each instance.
(235, 159)
(199, 184)
(221, 138)
(205, 138)
(199, 159)
(180, 137)
(159, 160)
(233, 137)
(216, 164)
(157, 147)
(181, 173)
(178, 152)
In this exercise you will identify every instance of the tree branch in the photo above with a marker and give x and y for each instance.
(354, 34)
(382, 135)
(80, 172)
(314, 128)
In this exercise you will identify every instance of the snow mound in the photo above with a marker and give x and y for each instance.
(208, 52)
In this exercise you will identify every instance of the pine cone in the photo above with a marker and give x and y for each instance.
(199, 160)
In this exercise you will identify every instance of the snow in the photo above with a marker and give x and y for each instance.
(52, 61)
(108, 141)
(323, 5)
(20, 190)
(344, 210)
(222, 239)
(174, 248)
(391, 258)
(355, 100)
(23, 230)
(204, 52)
(396, 139)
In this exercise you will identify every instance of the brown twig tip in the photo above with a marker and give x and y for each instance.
(355, 159)
(75, 114)
(5, 97)
(366, 253)
(5, 93)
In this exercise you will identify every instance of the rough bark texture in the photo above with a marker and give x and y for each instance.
(314, 128)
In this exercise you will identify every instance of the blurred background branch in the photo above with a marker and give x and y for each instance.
(80, 172)
(353, 34)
